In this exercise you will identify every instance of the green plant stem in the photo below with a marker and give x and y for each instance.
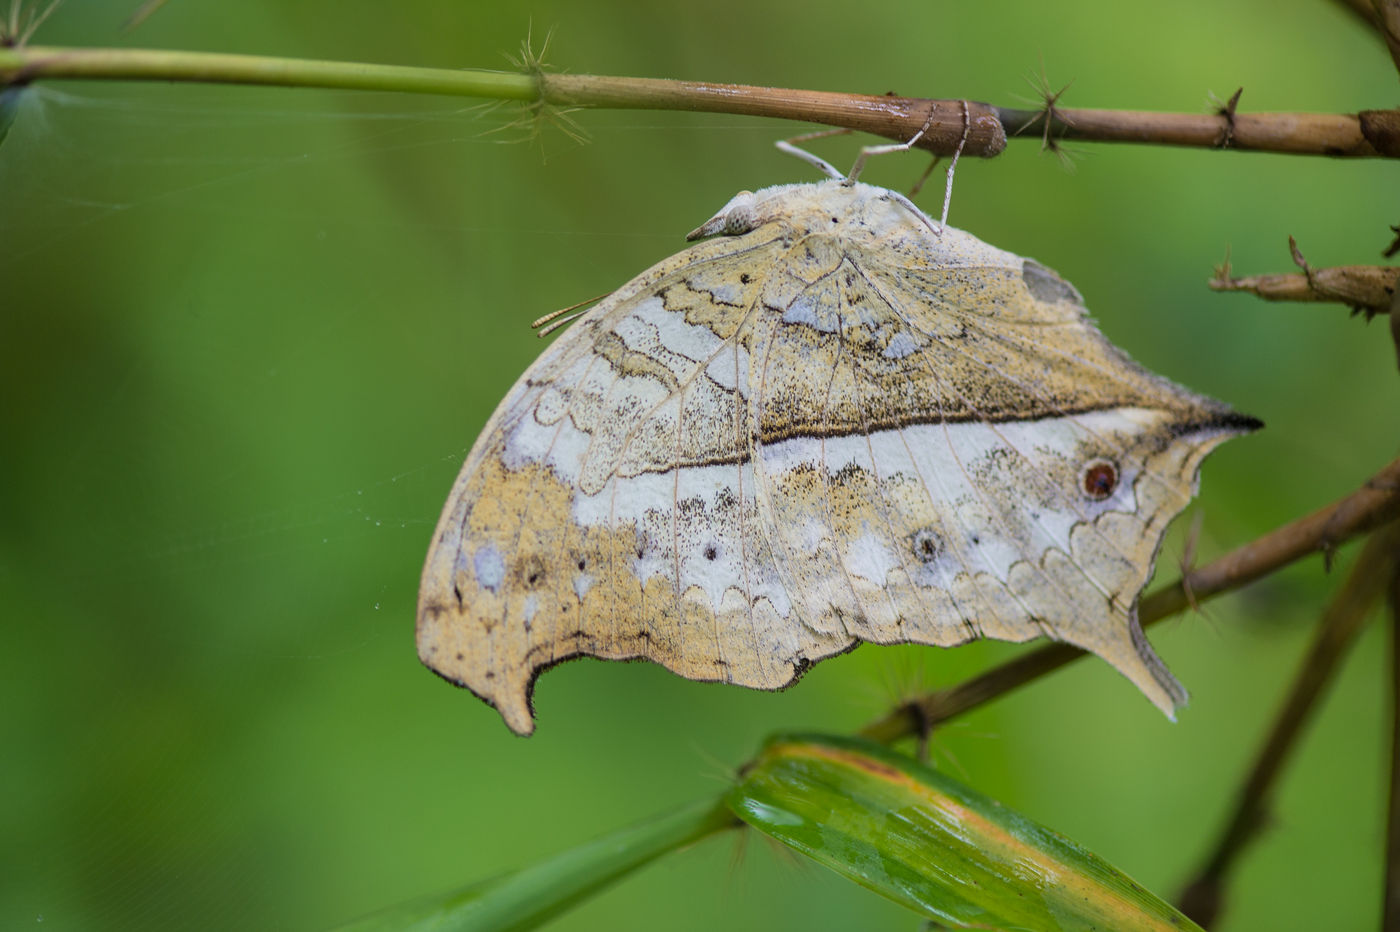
(24, 65)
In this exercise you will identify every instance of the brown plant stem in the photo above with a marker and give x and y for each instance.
(1204, 897)
(890, 116)
(1374, 133)
(1363, 10)
(1375, 503)
(1390, 916)
(1384, 17)
(1387, 20)
(1367, 134)
(1395, 324)
(1369, 288)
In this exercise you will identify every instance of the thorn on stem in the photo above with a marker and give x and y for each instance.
(1188, 560)
(540, 111)
(1301, 263)
(529, 60)
(1048, 115)
(23, 23)
(923, 728)
(143, 13)
(1227, 110)
(1221, 274)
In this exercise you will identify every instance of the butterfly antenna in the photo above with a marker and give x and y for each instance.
(564, 316)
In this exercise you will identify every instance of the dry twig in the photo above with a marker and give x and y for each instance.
(1390, 921)
(1387, 22)
(1204, 897)
(1365, 288)
(1369, 133)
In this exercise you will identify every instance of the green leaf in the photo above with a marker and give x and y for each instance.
(937, 847)
(530, 897)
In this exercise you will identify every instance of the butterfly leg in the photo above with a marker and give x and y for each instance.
(817, 162)
(919, 185)
(867, 151)
(948, 190)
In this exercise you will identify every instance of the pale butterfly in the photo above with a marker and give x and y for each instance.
(831, 421)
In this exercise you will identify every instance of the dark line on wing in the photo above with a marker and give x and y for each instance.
(1225, 420)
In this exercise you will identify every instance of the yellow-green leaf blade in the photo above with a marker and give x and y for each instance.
(935, 846)
(527, 898)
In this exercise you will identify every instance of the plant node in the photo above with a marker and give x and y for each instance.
(540, 111)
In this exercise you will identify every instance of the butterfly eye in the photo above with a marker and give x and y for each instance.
(1099, 479)
(739, 220)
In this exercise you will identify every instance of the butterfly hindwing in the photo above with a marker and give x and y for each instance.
(609, 506)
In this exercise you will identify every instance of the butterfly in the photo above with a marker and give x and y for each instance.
(830, 421)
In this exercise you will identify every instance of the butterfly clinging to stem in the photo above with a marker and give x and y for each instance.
(830, 421)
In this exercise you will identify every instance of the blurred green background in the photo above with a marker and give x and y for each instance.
(247, 336)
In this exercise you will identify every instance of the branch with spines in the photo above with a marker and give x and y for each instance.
(1368, 289)
(1367, 134)
(1204, 897)
(1390, 916)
